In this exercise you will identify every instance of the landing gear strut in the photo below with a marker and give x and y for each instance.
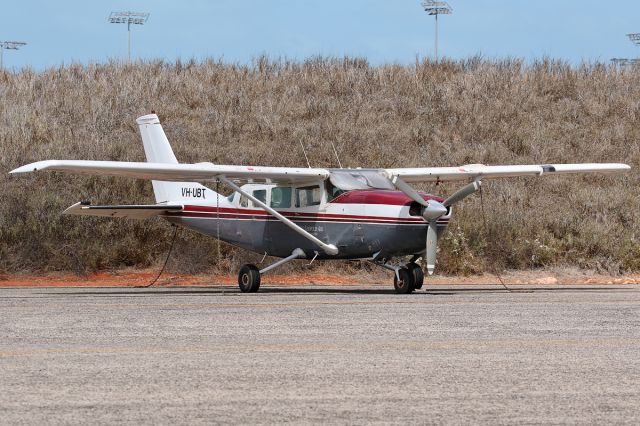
(406, 278)
(249, 275)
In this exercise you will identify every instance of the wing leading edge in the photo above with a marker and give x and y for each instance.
(202, 172)
(473, 171)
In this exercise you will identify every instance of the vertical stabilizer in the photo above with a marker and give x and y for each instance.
(158, 150)
(156, 144)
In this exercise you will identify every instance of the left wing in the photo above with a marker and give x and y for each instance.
(474, 171)
(200, 172)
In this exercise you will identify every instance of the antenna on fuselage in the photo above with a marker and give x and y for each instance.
(336, 154)
(305, 153)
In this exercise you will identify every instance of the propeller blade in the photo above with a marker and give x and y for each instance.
(409, 191)
(432, 246)
(462, 193)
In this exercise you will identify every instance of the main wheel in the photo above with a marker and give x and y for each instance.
(249, 279)
(418, 275)
(404, 285)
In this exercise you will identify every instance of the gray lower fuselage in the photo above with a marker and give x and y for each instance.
(354, 240)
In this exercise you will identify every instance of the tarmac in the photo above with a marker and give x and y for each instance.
(319, 354)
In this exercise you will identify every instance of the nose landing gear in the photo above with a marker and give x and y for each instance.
(418, 275)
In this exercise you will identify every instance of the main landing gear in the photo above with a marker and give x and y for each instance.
(249, 275)
(249, 278)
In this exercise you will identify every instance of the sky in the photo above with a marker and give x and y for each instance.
(383, 31)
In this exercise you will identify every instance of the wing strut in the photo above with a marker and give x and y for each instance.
(328, 248)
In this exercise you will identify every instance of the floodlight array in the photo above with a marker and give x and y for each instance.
(635, 38)
(433, 7)
(13, 45)
(623, 62)
(131, 18)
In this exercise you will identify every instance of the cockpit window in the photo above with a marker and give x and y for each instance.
(332, 190)
(281, 197)
(308, 196)
(261, 194)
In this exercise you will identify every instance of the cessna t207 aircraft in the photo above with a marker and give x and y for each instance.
(309, 213)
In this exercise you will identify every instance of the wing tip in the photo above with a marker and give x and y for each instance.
(24, 169)
(34, 167)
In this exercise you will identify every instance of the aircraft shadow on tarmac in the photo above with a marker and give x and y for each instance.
(220, 290)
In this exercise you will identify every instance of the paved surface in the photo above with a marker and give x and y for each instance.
(339, 355)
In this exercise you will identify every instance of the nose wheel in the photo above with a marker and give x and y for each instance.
(418, 275)
(403, 281)
(408, 279)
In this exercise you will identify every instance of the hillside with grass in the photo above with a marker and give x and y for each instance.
(426, 114)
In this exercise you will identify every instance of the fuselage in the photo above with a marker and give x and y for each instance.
(360, 223)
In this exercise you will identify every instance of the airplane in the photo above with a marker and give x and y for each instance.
(303, 213)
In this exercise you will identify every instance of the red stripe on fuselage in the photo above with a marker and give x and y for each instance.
(380, 196)
(233, 213)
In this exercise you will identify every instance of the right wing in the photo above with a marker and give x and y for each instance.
(128, 211)
(473, 171)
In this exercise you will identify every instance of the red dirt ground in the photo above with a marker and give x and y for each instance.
(131, 278)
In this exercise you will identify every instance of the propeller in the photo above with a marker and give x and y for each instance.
(432, 210)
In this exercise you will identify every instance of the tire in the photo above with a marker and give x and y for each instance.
(249, 279)
(418, 275)
(405, 284)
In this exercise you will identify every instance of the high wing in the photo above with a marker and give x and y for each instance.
(474, 171)
(200, 172)
(128, 211)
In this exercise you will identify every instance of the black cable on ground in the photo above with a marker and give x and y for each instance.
(489, 234)
(173, 240)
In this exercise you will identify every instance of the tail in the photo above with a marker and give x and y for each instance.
(158, 150)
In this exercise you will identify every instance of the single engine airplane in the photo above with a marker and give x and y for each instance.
(313, 213)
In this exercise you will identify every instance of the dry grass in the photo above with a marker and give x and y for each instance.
(472, 111)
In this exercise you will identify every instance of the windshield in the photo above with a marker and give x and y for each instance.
(349, 180)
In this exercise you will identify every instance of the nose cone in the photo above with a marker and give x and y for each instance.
(434, 210)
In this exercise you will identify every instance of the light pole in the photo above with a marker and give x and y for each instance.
(129, 18)
(9, 45)
(436, 8)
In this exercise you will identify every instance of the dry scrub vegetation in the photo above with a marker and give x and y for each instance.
(452, 113)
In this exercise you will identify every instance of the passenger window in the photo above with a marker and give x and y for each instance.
(244, 201)
(308, 196)
(261, 194)
(281, 198)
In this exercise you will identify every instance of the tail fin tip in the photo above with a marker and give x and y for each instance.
(148, 119)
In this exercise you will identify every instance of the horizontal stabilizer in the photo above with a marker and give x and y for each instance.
(128, 211)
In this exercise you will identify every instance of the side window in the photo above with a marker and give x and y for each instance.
(308, 196)
(261, 194)
(244, 201)
(332, 191)
(281, 198)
